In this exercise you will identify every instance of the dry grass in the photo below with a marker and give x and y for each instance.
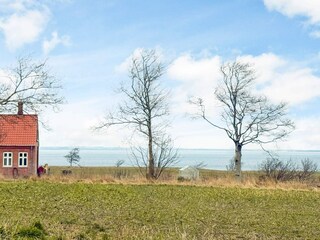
(132, 176)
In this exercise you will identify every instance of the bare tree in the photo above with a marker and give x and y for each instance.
(31, 83)
(246, 118)
(145, 108)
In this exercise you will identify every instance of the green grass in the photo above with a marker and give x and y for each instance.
(52, 210)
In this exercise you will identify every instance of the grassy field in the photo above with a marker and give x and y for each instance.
(131, 175)
(44, 209)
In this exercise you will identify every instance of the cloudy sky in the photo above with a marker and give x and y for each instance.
(89, 42)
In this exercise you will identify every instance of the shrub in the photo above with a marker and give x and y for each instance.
(231, 167)
(182, 179)
(278, 170)
(308, 169)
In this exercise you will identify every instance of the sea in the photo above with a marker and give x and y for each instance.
(217, 159)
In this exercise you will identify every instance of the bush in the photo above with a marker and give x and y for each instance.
(308, 169)
(278, 170)
(231, 167)
(183, 179)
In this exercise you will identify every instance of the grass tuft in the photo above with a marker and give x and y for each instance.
(31, 233)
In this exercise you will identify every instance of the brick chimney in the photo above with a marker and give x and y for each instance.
(20, 108)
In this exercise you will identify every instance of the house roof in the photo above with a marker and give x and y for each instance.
(18, 130)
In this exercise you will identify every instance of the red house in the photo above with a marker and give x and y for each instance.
(19, 144)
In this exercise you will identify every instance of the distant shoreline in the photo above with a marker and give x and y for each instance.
(185, 149)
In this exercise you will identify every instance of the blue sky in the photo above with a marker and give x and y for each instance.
(88, 44)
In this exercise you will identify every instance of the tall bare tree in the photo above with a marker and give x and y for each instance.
(145, 108)
(246, 118)
(31, 83)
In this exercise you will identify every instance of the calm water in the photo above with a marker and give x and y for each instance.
(213, 158)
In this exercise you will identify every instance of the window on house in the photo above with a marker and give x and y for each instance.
(23, 159)
(7, 159)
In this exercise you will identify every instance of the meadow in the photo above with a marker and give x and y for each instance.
(103, 208)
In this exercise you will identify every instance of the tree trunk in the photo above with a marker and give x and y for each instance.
(150, 173)
(237, 160)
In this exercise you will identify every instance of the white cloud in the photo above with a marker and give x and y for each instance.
(315, 34)
(23, 23)
(295, 86)
(283, 80)
(15, 5)
(266, 65)
(73, 126)
(4, 77)
(188, 69)
(305, 136)
(49, 45)
(291, 8)
(277, 78)
(197, 77)
(189, 133)
(125, 65)
(308, 9)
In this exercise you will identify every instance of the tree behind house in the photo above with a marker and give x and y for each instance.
(73, 156)
(31, 83)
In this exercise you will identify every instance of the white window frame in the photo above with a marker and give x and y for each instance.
(7, 158)
(23, 156)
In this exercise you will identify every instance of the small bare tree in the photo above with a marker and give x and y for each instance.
(31, 83)
(164, 155)
(246, 118)
(145, 108)
(73, 157)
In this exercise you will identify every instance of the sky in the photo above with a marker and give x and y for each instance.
(88, 44)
